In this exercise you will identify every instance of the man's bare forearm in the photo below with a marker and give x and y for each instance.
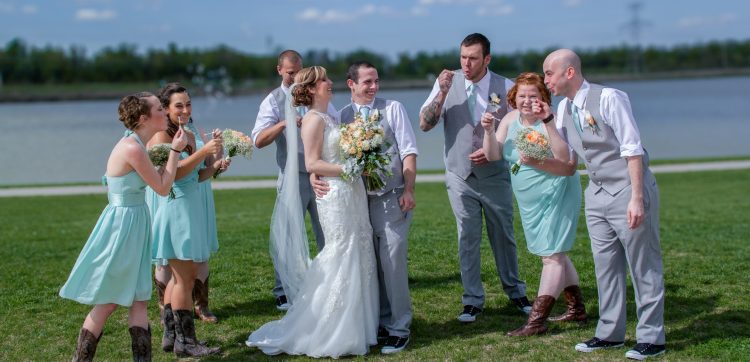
(430, 115)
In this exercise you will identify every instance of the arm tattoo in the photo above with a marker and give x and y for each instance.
(431, 113)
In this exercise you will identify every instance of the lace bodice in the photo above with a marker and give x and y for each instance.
(331, 135)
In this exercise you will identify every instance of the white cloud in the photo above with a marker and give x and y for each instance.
(419, 11)
(483, 7)
(703, 21)
(572, 3)
(29, 9)
(95, 15)
(495, 10)
(339, 16)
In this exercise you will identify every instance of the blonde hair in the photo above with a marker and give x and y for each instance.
(304, 82)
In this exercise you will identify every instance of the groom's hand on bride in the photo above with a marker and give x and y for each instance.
(320, 187)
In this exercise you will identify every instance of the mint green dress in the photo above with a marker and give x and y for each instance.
(114, 265)
(179, 227)
(549, 205)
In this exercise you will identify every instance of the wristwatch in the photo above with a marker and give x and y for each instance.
(549, 118)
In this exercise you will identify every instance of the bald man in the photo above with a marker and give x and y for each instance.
(622, 205)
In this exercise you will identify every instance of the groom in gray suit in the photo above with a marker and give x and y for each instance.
(475, 185)
(390, 207)
(622, 205)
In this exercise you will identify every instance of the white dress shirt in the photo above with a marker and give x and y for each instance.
(616, 113)
(483, 94)
(398, 120)
(269, 114)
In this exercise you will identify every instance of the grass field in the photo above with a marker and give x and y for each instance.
(705, 227)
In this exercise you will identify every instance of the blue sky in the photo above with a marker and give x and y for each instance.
(389, 27)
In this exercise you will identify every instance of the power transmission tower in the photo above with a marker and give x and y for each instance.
(634, 26)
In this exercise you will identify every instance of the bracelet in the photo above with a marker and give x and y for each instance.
(549, 118)
(175, 150)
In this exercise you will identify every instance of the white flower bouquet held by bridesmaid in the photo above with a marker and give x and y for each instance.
(159, 154)
(363, 147)
(236, 143)
(531, 143)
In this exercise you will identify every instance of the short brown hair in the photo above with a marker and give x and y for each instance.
(290, 55)
(304, 81)
(132, 107)
(529, 78)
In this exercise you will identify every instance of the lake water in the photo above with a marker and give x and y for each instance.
(55, 142)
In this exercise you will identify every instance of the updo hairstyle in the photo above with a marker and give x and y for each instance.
(304, 82)
(132, 107)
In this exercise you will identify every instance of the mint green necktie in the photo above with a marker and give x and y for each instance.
(576, 117)
(365, 111)
(472, 102)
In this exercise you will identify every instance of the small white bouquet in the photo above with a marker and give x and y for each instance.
(531, 143)
(363, 146)
(236, 143)
(159, 155)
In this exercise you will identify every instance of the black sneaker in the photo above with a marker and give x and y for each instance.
(642, 351)
(522, 304)
(594, 344)
(395, 344)
(469, 314)
(382, 335)
(282, 303)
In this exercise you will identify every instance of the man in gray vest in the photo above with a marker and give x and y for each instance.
(390, 207)
(622, 205)
(475, 186)
(269, 127)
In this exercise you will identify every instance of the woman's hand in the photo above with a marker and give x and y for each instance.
(214, 146)
(488, 122)
(180, 140)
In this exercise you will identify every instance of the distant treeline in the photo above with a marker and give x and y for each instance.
(24, 64)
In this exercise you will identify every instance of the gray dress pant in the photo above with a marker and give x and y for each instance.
(308, 203)
(470, 199)
(615, 248)
(390, 228)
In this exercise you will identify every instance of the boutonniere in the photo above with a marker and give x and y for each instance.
(591, 122)
(493, 103)
(374, 115)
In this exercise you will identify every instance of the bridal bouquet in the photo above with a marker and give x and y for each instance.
(531, 143)
(363, 146)
(159, 154)
(236, 143)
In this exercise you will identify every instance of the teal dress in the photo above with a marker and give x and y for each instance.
(179, 228)
(549, 205)
(114, 265)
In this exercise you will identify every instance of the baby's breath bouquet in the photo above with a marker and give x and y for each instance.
(363, 147)
(236, 143)
(159, 155)
(531, 143)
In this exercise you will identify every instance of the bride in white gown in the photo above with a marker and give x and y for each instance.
(335, 308)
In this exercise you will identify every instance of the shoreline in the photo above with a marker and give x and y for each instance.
(114, 91)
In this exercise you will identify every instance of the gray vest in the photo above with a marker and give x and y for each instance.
(397, 180)
(600, 150)
(462, 137)
(280, 97)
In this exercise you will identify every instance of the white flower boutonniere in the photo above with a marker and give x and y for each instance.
(591, 122)
(493, 103)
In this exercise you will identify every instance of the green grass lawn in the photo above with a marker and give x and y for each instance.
(704, 228)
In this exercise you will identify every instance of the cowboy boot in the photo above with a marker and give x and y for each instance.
(86, 346)
(140, 343)
(200, 298)
(185, 343)
(539, 312)
(576, 309)
(167, 340)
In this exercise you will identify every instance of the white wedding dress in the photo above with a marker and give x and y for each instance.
(335, 312)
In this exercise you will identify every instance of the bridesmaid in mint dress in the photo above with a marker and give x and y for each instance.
(548, 193)
(162, 273)
(180, 227)
(114, 266)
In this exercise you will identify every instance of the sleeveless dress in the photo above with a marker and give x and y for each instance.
(179, 228)
(336, 310)
(154, 200)
(114, 265)
(549, 205)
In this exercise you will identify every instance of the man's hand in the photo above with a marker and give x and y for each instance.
(636, 213)
(406, 201)
(320, 187)
(445, 80)
(478, 157)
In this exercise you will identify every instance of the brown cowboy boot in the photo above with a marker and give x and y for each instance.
(140, 343)
(86, 346)
(200, 298)
(167, 340)
(185, 343)
(576, 309)
(539, 312)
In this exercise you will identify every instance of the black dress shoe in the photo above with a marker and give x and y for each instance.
(594, 344)
(282, 303)
(395, 344)
(522, 304)
(382, 335)
(642, 351)
(469, 314)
